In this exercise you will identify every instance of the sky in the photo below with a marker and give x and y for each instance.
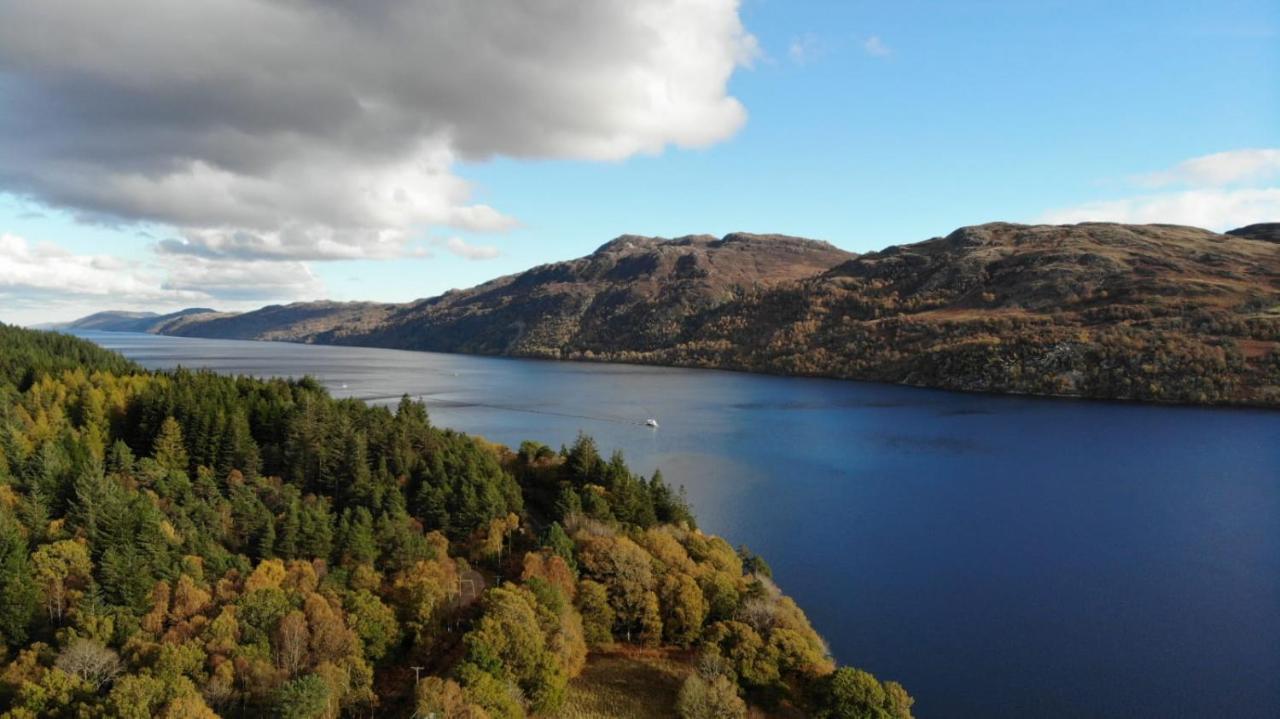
(236, 153)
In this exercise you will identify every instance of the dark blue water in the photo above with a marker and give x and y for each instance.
(1001, 557)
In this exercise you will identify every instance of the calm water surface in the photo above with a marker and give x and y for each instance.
(1001, 557)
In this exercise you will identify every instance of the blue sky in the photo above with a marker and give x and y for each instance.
(867, 124)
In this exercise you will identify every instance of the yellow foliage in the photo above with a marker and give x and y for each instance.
(269, 574)
(8, 498)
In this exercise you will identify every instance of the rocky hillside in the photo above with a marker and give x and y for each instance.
(634, 291)
(1150, 312)
(1144, 312)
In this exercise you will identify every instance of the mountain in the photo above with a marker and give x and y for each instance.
(632, 290)
(1148, 312)
(1265, 231)
(117, 321)
(1140, 312)
(298, 322)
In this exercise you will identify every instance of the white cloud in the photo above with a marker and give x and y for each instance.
(46, 268)
(244, 281)
(1215, 209)
(1221, 191)
(1218, 169)
(876, 47)
(311, 129)
(459, 247)
(42, 281)
(805, 49)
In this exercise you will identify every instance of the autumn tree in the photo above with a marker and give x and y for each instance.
(715, 698)
(291, 640)
(510, 644)
(597, 615)
(850, 693)
(445, 699)
(626, 571)
(683, 609)
(62, 570)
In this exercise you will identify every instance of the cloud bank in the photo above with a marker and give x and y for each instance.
(37, 279)
(1219, 192)
(1220, 168)
(46, 268)
(301, 130)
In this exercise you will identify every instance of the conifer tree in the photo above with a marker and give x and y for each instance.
(168, 449)
(17, 588)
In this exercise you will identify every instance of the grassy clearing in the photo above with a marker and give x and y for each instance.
(632, 683)
(627, 684)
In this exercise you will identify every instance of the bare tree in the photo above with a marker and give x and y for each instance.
(291, 642)
(95, 664)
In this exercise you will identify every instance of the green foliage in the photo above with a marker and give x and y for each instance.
(597, 616)
(28, 356)
(559, 542)
(303, 698)
(510, 644)
(854, 694)
(374, 622)
(686, 609)
(17, 586)
(168, 449)
(753, 563)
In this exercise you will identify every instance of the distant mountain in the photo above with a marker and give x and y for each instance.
(117, 321)
(1143, 312)
(1265, 231)
(631, 291)
(298, 322)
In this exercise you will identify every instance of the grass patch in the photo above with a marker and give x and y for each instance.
(632, 683)
(627, 684)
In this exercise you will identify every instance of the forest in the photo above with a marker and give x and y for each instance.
(186, 544)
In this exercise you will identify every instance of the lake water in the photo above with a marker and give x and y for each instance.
(1000, 556)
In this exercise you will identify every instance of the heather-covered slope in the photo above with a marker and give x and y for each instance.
(1097, 310)
(633, 291)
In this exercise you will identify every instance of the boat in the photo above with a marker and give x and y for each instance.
(651, 423)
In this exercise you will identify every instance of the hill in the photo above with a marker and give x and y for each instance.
(1150, 312)
(637, 286)
(117, 321)
(1140, 312)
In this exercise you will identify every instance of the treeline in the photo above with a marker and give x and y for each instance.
(28, 355)
(184, 544)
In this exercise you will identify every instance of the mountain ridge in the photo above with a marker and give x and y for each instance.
(1103, 310)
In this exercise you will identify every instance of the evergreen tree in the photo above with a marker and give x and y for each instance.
(168, 450)
(356, 541)
(18, 594)
(559, 542)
